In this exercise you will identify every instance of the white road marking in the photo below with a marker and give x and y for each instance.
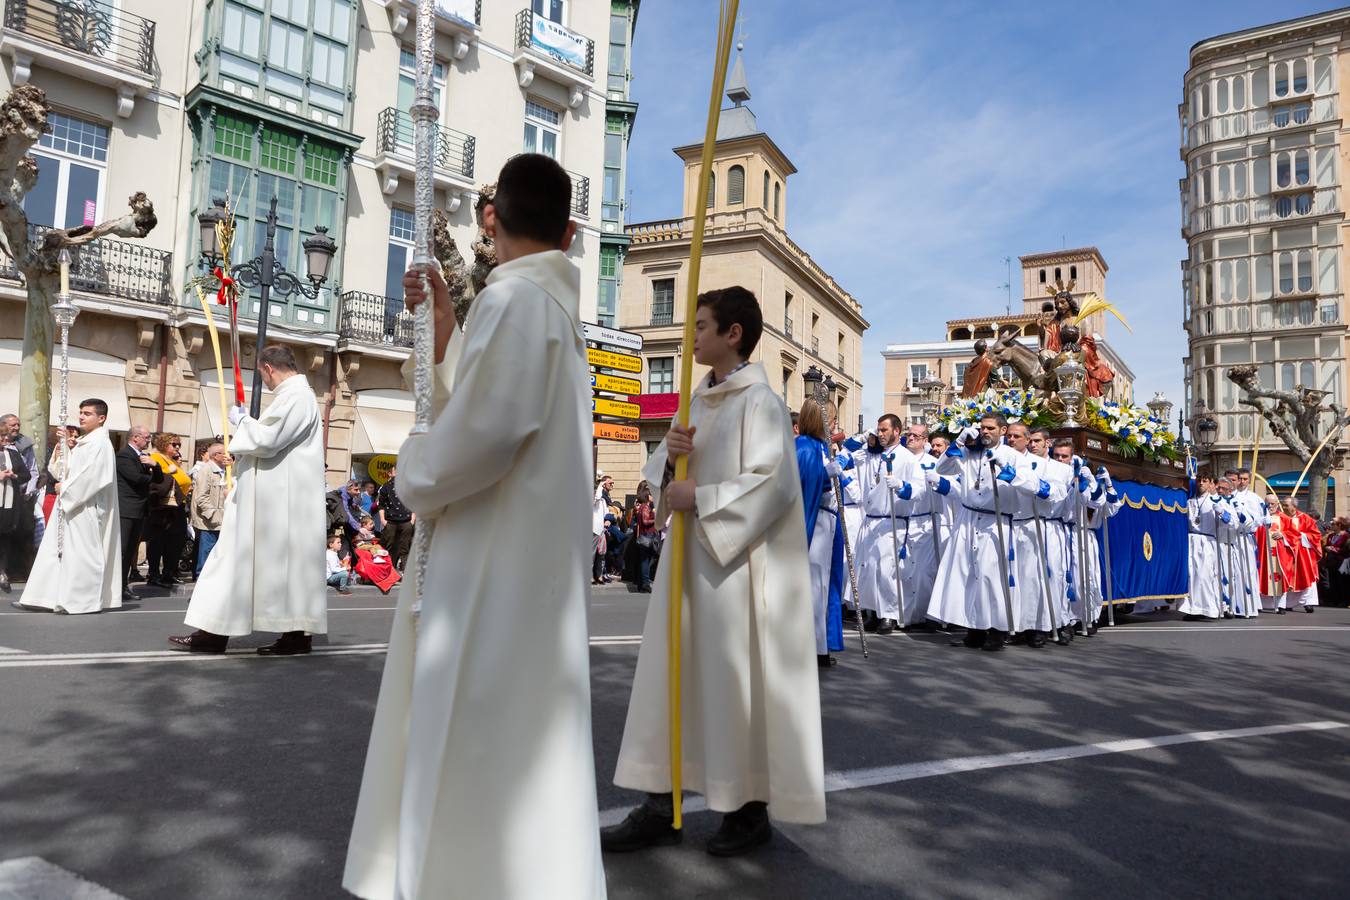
(33, 878)
(4, 650)
(23, 660)
(861, 778)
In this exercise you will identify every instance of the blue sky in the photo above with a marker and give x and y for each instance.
(932, 140)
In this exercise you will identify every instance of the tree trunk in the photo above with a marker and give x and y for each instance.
(1317, 483)
(35, 374)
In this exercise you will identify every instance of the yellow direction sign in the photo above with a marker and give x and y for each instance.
(614, 384)
(607, 432)
(602, 407)
(606, 359)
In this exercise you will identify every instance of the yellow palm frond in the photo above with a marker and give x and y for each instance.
(1095, 304)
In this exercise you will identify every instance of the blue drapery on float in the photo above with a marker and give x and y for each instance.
(1150, 541)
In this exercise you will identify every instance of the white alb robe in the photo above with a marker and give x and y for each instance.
(1235, 547)
(751, 692)
(918, 568)
(87, 577)
(1039, 549)
(1206, 595)
(972, 590)
(883, 536)
(266, 572)
(480, 778)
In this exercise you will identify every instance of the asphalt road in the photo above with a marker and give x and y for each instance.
(169, 776)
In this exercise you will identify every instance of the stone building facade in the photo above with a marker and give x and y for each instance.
(304, 100)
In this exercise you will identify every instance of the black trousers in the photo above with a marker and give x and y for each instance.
(131, 542)
(397, 539)
(165, 534)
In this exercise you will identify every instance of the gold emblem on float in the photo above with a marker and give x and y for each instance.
(1148, 546)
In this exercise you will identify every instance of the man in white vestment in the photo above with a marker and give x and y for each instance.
(1031, 496)
(977, 582)
(1234, 530)
(1256, 512)
(479, 779)
(920, 505)
(879, 535)
(1204, 602)
(1051, 509)
(751, 697)
(81, 571)
(266, 572)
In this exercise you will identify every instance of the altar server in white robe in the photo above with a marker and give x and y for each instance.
(86, 576)
(479, 779)
(976, 581)
(1104, 503)
(266, 572)
(865, 460)
(751, 701)
(1258, 514)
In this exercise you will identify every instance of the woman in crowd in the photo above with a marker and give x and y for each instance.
(13, 476)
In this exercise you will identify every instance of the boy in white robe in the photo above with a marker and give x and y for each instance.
(479, 780)
(86, 577)
(266, 572)
(751, 701)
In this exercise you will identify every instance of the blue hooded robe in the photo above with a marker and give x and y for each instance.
(815, 481)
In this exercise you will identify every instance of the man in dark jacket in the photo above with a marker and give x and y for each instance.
(135, 473)
(398, 522)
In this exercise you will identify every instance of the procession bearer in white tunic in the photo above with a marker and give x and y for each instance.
(86, 576)
(881, 474)
(480, 780)
(1235, 547)
(976, 581)
(1033, 496)
(751, 695)
(266, 572)
(1204, 602)
(920, 505)
(1047, 493)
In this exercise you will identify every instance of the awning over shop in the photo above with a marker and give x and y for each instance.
(383, 419)
(93, 375)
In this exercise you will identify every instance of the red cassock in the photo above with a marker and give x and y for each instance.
(1306, 558)
(1276, 554)
(379, 571)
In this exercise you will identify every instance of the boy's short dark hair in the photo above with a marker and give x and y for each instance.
(534, 198)
(98, 406)
(736, 306)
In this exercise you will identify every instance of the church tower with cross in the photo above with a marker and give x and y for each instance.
(810, 321)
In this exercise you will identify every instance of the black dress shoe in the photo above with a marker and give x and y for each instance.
(886, 626)
(1192, 617)
(973, 640)
(870, 621)
(742, 831)
(1308, 609)
(134, 576)
(643, 828)
(826, 661)
(200, 642)
(1091, 630)
(1036, 639)
(129, 597)
(292, 643)
(995, 640)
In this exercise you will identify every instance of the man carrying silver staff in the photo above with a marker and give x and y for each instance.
(481, 744)
(976, 588)
(1052, 531)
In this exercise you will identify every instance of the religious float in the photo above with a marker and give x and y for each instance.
(1064, 386)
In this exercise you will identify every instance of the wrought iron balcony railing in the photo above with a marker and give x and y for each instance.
(375, 319)
(581, 194)
(111, 268)
(787, 326)
(569, 48)
(95, 30)
(663, 314)
(454, 150)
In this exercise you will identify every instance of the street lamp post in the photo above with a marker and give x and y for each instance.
(1205, 428)
(263, 271)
